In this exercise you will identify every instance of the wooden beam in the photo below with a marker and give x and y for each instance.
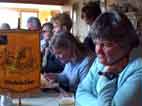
(49, 2)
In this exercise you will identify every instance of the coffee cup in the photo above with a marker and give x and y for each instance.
(66, 101)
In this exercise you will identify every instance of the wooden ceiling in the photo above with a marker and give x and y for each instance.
(50, 2)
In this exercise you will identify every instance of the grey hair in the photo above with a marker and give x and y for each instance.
(115, 26)
(35, 22)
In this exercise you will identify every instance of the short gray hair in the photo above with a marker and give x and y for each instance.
(115, 26)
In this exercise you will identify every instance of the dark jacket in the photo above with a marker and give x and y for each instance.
(50, 64)
(88, 42)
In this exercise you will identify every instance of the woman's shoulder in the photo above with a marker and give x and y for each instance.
(134, 67)
(87, 60)
(135, 62)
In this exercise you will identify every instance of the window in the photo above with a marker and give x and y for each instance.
(9, 16)
(25, 16)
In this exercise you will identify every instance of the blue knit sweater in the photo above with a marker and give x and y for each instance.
(126, 90)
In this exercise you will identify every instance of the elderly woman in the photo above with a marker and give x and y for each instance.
(115, 78)
(33, 23)
(62, 22)
(5, 26)
(49, 62)
(46, 33)
(75, 56)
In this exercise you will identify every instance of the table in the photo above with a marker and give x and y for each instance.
(48, 98)
(42, 99)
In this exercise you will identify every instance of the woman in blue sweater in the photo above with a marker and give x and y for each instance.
(77, 59)
(115, 78)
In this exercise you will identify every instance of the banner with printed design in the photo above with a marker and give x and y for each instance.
(19, 63)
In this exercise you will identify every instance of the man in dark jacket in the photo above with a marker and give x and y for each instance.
(89, 13)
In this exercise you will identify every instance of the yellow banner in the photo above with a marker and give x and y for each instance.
(19, 63)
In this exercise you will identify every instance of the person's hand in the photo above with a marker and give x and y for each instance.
(44, 82)
(48, 81)
(50, 76)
